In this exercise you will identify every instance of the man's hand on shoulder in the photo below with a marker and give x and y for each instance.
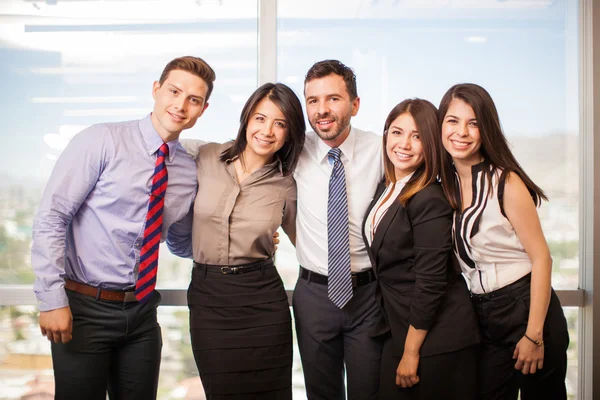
(276, 239)
(57, 325)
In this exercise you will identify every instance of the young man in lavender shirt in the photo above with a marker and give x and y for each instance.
(92, 228)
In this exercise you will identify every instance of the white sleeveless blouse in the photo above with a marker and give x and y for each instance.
(487, 247)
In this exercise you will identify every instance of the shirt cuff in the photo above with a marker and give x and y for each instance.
(48, 301)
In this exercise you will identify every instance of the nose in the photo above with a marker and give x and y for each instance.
(268, 128)
(322, 108)
(462, 130)
(179, 103)
(404, 141)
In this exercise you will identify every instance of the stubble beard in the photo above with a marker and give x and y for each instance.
(341, 125)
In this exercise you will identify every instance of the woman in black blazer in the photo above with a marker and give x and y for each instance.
(431, 329)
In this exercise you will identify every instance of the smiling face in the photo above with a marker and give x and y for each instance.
(460, 133)
(178, 103)
(266, 132)
(329, 108)
(403, 146)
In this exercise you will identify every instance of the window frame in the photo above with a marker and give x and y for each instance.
(589, 175)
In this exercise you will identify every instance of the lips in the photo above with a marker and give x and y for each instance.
(460, 145)
(176, 117)
(325, 123)
(403, 156)
(263, 142)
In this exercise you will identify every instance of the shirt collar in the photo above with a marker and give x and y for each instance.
(406, 178)
(153, 140)
(347, 148)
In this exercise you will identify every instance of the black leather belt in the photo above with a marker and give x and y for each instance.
(513, 287)
(358, 278)
(237, 269)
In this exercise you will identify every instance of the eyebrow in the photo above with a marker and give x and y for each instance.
(400, 129)
(190, 95)
(455, 117)
(276, 119)
(326, 96)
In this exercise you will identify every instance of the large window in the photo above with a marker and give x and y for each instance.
(67, 64)
(523, 53)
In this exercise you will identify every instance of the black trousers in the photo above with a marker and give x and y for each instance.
(116, 347)
(330, 338)
(448, 376)
(503, 321)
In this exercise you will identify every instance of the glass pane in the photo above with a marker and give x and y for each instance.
(413, 48)
(26, 365)
(69, 64)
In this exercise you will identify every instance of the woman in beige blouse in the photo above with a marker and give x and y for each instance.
(239, 315)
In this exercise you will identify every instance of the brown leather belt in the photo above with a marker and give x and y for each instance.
(99, 293)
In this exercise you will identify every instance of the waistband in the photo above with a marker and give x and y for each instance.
(506, 290)
(358, 278)
(99, 293)
(237, 269)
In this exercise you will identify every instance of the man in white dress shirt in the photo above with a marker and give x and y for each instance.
(333, 338)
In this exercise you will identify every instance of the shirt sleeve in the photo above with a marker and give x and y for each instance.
(288, 222)
(431, 220)
(179, 237)
(75, 175)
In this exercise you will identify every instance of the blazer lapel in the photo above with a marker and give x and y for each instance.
(383, 226)
(378, 192)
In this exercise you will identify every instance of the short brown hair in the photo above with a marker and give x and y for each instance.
(324, 68)
(425, 116)
(193, 65)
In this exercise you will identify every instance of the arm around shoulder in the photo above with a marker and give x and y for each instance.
(288, 222)
(179, 237)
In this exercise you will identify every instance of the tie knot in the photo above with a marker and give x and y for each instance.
(334, 154)
(163, 150)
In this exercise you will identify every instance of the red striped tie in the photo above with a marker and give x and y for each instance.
(146, 281)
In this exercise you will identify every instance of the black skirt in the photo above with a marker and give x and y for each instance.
(241, 332)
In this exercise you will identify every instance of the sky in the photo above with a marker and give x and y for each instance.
(68, 65)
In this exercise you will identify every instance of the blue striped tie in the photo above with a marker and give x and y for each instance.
(339, 283)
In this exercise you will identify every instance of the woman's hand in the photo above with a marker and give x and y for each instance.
(406, 374)
(529, 356)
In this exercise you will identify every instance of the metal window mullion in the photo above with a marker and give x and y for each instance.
(22, 295)
(589, 152)
(267, 41)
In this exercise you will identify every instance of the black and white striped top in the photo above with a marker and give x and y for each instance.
(487, 247)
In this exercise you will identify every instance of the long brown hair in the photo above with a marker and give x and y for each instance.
(286, 100)
(494, 146)
(425, 116)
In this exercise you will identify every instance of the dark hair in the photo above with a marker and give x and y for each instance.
(425, 116)
(324, 68)
(494, 146)
(289, 104)
(193, 65)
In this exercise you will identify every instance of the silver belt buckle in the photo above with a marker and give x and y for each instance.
(229, 270)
